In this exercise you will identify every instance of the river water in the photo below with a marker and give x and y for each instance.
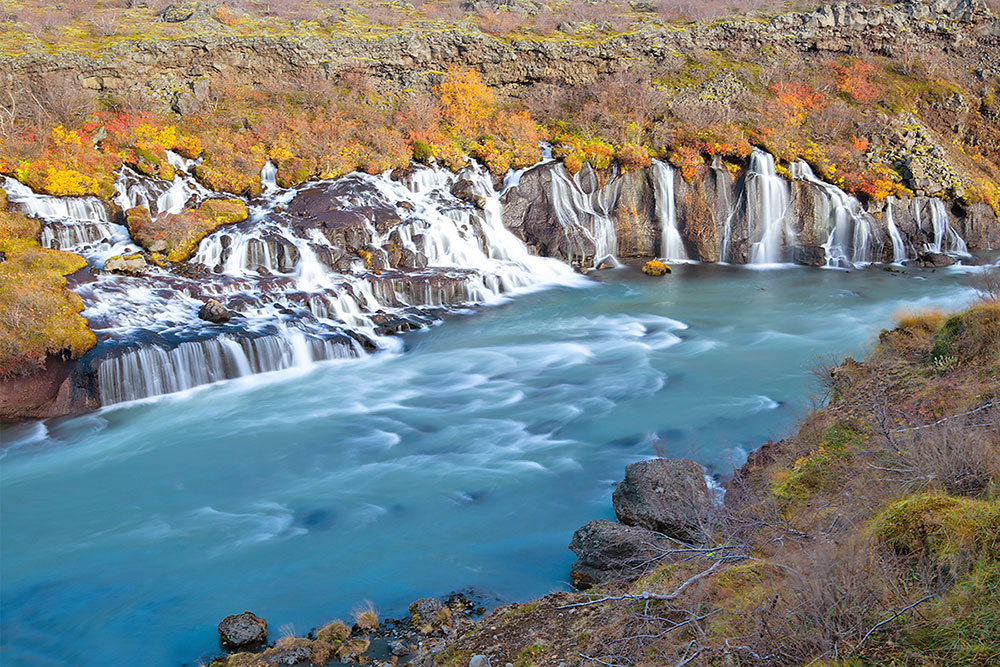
(463, 460)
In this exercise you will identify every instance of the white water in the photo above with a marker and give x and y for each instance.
(590, 213)
(672, 247)
(850, 229)
(946, 239)
(898, 247)
(153, 342)
(768, 198)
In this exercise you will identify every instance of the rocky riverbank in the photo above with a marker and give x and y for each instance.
(885, 501)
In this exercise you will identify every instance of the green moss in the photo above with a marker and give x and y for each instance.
(814, 471)
(453, 657)
(950, 530)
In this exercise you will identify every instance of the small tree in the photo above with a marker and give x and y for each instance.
(466, 102)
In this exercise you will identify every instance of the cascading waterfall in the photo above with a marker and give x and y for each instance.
(768, 198)
(291, 307)
(576, 210)
(672, 246)
(152, 370)
(71, 223)
(850, 229)
(946, 239)
(898, 247)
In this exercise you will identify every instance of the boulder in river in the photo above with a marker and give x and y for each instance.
(131, 265)
(213, 311)
(655, 267)
(931, 259)
(607, 550)
(669, 496)
(244, 630)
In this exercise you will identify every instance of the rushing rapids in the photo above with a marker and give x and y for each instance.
(394, 253)
(330, 269)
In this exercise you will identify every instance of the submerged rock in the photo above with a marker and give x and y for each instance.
(932, 259)
(607, 551)
(669, 496)
(242, 630)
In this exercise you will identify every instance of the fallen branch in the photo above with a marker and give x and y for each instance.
(891, 618)
(646, 595)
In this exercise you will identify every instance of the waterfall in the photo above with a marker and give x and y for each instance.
(160, 196)
(47, 207)
(276, 273)
(850, 229)
(767, 197)
(671, 245)
(268, 175)
(152, 370)
(898, 247)
(591, 214)
(75, 224)
(946, 239)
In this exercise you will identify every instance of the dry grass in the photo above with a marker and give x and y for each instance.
(366, 617)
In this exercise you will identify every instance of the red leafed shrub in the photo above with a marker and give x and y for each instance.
(859, 81)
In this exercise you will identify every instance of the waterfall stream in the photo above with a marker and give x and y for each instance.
(768, 199)
(672, 246)
(849, 228)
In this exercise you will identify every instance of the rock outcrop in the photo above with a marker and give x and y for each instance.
(669, 496)
(607, 551)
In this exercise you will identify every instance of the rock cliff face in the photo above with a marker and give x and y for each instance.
(725, 217)
(181, 70)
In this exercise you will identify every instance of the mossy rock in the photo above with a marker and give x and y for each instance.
(335, 633)
(655, 267)
(177, 234)
(42, 315)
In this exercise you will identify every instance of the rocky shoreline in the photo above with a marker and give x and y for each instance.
(682, 571)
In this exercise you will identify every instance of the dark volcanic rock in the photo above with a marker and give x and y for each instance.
(935, 259)
(213, 311)
(242, 630)
(606, 550)
(530, 214)
(810, 255)
(669, 496)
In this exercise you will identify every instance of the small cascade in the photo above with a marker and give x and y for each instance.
(576, 210)
(767, 198)
(946, 239)
(850, 229)
(268, 177)
(75, 237)
(47, 207)
(160, 196)
(898, 247)
(152, 370)
(75, 224)
(672, 247)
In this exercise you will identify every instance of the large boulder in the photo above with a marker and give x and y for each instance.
(669, 496)
(608, 551)
(131, 265)
(244, 630)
